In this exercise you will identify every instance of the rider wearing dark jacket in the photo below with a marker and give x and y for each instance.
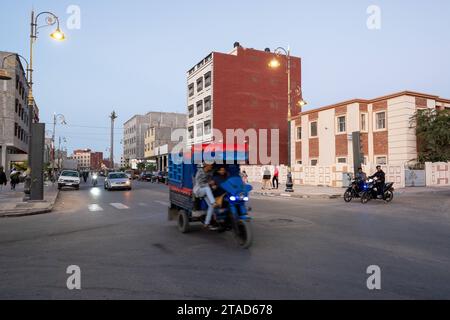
(381, 178)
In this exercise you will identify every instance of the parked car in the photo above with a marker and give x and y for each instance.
(117, 180)
(162, 176)
(146, 176)
(69, 178)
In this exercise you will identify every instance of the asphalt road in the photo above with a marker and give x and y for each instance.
(303, 249)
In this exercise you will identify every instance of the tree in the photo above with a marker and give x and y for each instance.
(433, 135)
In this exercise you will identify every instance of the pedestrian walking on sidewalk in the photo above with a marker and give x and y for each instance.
(14, 177)
(244, 177)
(3, 180)
(266, 178)
(275, 181)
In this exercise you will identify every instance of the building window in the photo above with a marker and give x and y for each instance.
(299, 162)
(381, 160)
(381, 120)
(341, 160)
(191, 132)
(363, 122)
(191, 89)
(199, 84)
(208, 127)
(17, 106)
(200, 107)
(314, 162)
(207, 103)
(313, 132)
(200, 130)
(299, 133)
(191, 111)
(341, 124)
(207, 79)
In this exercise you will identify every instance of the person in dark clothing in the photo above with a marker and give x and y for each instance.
(3, 180)
(14, 179)
(220, 177)
(380, 180)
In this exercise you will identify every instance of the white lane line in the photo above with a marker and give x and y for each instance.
(162, 202)
(95, 208)
(119, 206)
(142, 204)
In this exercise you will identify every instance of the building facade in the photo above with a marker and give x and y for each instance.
(83, 157)
(322, 136)
(88, 159)
(238, 90)
(96, 161)
(137, 129)
(14, 114)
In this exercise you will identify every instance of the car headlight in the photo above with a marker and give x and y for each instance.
(128, 182)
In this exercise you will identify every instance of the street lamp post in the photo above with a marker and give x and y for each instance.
(275, 63)
(62, 119)
(56, 35)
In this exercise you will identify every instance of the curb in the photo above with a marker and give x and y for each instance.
(298, 196)
(30, 212)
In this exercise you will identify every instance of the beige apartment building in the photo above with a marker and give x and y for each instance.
(322, 136)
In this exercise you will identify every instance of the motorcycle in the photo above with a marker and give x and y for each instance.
(353, 191)
(232, 216)
(94, 180)
(370, 191)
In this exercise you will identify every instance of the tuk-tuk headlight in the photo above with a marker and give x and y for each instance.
(232, 198)
(246, 199)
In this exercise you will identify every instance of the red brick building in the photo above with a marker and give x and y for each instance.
(238, 90)
(96, 160)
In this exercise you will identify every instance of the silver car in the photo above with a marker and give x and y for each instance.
(117, 180)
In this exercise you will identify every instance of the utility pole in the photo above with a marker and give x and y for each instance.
(113, 117)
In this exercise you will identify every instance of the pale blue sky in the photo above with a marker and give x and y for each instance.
(132, 55)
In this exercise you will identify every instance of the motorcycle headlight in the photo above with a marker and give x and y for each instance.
(95, 176)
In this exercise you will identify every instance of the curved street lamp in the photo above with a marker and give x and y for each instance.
(57, 34)
(62, 120)
(4, 74)
(274, 64)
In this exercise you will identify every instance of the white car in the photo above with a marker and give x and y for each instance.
(69, 178)
(117, 180)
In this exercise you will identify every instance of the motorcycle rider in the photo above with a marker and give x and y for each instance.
(380, 181)
(361, 177)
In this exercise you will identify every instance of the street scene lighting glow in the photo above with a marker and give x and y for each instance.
(274, 63)
(58, 35)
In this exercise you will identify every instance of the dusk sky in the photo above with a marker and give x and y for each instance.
(132, 56)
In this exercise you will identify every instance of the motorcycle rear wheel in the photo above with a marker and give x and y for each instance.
(388, 196)
(348, 196)
(244, 234)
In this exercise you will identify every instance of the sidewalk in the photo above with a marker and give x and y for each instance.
(299, 191)
(12, 204)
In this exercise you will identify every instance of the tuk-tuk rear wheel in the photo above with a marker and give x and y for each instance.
(183, 221)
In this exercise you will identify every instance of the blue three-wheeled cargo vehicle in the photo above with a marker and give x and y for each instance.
(232, 212)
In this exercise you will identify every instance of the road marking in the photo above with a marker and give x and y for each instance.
(142, 204)
(119, 206)
(162, 202)
(95, 207)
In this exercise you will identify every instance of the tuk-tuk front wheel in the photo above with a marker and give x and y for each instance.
(244, 234)
(183, 221)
